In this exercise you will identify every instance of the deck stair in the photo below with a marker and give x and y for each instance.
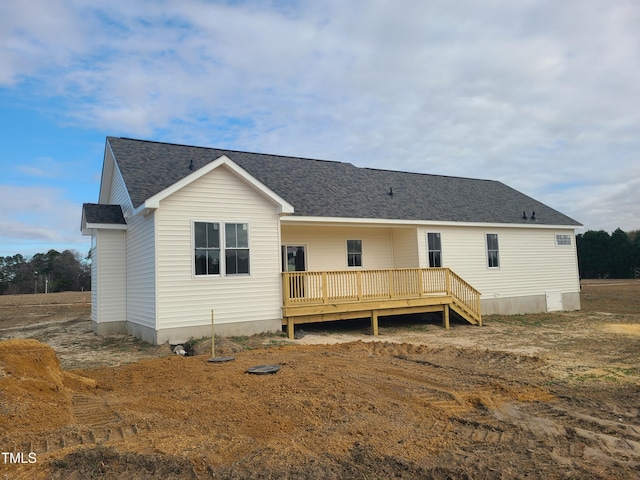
(340, 295)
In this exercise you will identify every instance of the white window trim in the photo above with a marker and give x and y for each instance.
(563, 245)
(193, 249)
(223, 261)
(223, 248)
(295, 244)
(426, 236)
(486, 251)
(346, 258)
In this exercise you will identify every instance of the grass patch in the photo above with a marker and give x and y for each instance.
(261, 340)
(528, 320)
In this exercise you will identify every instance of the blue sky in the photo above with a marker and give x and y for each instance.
(541, 95)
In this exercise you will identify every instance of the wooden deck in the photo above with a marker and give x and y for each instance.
(340, 295)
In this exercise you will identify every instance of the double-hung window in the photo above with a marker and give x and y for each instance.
(236, 253)
(207, 248)
(563, 240)
(493, 256)
(434, 246)
(354, 253)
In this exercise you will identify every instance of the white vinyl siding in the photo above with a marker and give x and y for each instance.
(108, 272)
(185, 299)
(530, 263)
(327, 246)
(141, 269)
(94, 276)
(405, 248)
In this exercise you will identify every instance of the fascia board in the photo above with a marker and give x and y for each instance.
(113, 169)
(87, 228)
(154, 201)
(293, 220)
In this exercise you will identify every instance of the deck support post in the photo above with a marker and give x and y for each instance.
(290, 332)
(374, 322)
(445, 316)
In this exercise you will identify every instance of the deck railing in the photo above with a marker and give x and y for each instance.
(327, 287)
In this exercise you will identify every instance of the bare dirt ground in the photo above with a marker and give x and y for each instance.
(535, 396)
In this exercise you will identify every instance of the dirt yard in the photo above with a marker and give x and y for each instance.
(549, 396)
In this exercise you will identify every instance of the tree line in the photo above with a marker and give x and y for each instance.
(44, 272)
(601, 255)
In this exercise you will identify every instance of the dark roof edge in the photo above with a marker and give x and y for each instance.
(231, 150)
(302, 158)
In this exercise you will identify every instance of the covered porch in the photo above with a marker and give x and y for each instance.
(323, 296)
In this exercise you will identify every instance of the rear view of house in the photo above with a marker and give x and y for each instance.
(267, 241)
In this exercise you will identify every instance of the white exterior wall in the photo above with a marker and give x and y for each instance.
(140, 254)
(94, 276)
(530, 261)
(141, 268)
(110, 277)
(405, 248)
(326, 246)
(118, 194)
(185, 300)
(533, 269)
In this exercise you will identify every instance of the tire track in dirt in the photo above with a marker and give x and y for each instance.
(600, 440)
(96, 424)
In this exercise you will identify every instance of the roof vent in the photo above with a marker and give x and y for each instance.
(533, 215)
(524, 215)
(390, 192)
(191, 166)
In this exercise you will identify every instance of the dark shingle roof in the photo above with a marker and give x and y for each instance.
(334, 189)
(103, 214)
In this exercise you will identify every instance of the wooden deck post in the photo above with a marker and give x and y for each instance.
(325, 292)
(290, 331)
(374, 322)
(447, 280)
(445, 316)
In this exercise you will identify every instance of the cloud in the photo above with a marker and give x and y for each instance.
(538, 94)
(40, 218)
(44, 168)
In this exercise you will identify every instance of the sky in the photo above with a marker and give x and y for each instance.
(543, 95)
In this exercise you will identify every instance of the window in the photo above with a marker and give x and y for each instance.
(236, 254)
(563, 240)
(293, 258)
(435, 249)
(493, 258)
(207, 248)
(354, 253)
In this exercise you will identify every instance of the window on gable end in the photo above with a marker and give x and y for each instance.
(207, 248)
(236, 253)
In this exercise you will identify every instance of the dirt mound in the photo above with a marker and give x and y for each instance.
(35, 392)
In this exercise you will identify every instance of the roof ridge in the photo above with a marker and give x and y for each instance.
(235, 151)
(428, 174)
